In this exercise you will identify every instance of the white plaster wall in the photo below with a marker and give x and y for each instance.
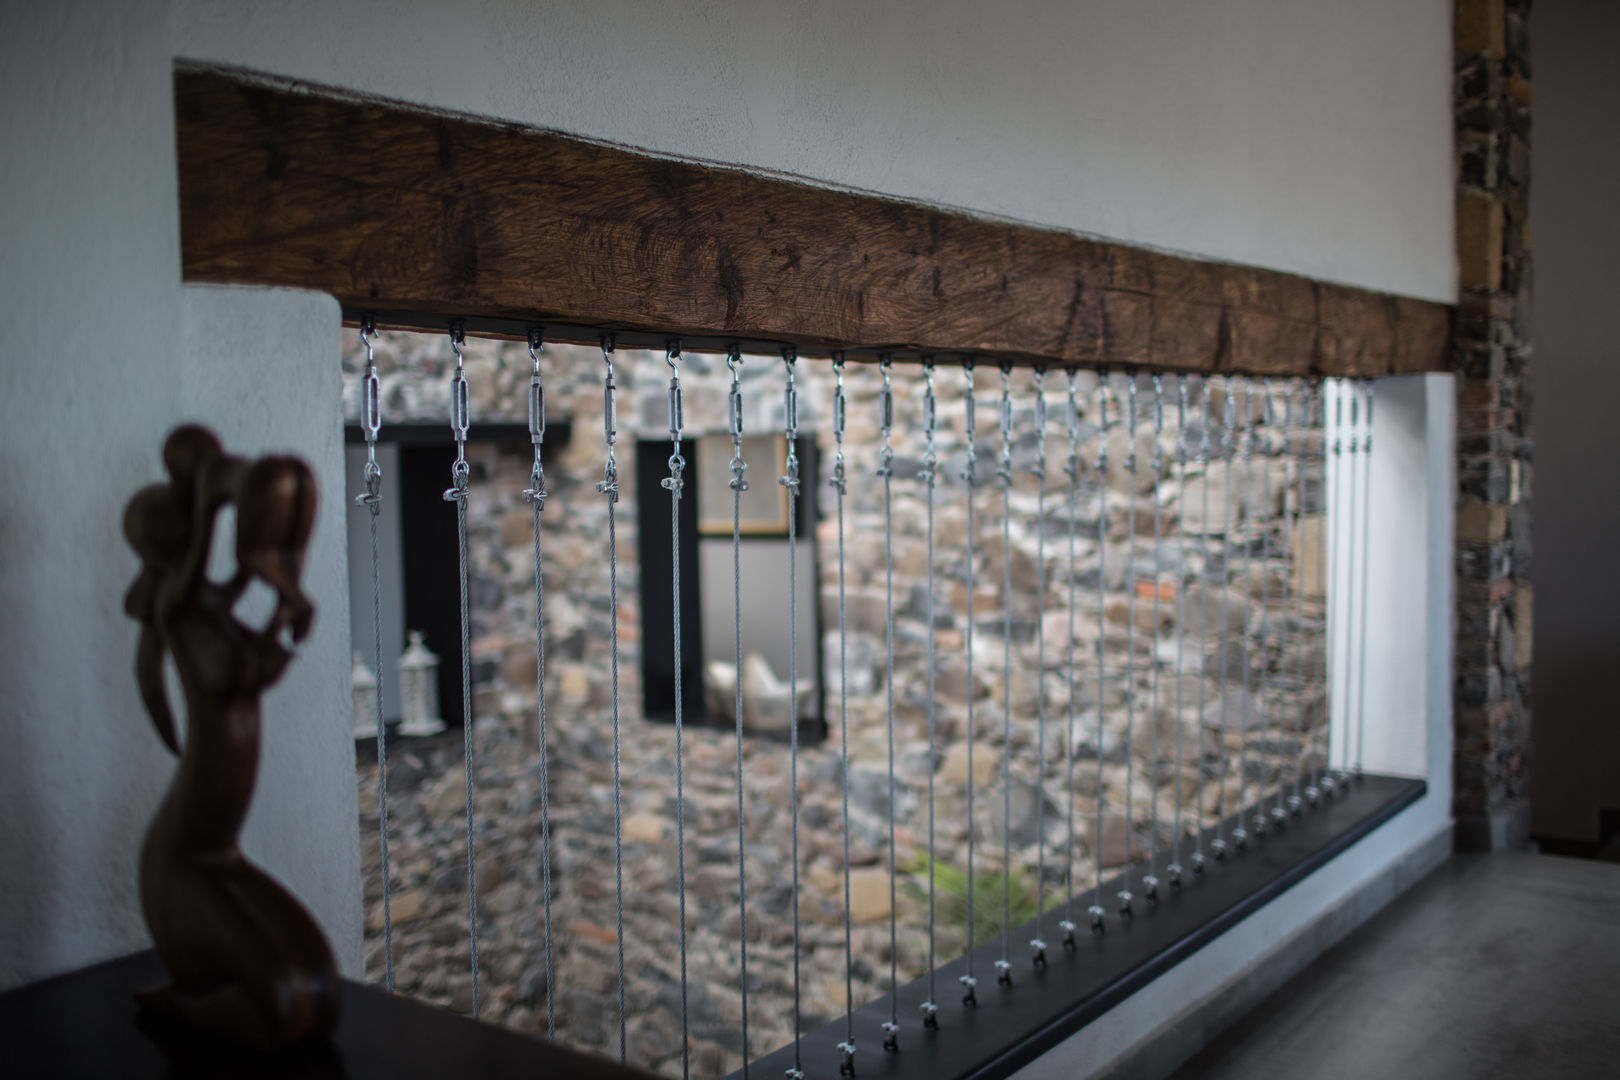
(87, 281)
(260, 367)
(1305, 135)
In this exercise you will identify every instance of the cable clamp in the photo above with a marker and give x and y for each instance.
(372, 499)
(609, 484)
(460, 472)
(536, 491)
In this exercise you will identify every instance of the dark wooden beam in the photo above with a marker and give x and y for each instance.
(426, 215)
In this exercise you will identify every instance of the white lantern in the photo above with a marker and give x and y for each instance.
(419, 689)
(363, 685)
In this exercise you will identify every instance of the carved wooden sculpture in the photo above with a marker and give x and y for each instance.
(244, 957)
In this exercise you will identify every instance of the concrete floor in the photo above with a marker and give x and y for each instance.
(1499, 966)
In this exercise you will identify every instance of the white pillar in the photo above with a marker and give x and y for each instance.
(1409, 732)
(261, 367)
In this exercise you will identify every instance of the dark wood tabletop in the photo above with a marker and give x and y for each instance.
(86, 1024)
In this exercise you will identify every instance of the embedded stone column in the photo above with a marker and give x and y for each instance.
(1494, 444)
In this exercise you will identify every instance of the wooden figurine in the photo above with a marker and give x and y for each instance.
(244, 957)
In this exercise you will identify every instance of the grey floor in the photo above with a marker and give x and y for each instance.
(1498, 966)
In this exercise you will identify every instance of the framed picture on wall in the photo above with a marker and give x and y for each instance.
(764, 507)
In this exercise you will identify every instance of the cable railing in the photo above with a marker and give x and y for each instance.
(1090, 641)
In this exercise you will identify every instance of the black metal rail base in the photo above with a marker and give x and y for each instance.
(86, 1023)
(1012, 1025)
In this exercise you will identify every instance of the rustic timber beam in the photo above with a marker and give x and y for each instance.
(425, 215)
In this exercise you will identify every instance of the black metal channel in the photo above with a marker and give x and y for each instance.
(575, 334)
(1012, 1026)
(437, 433)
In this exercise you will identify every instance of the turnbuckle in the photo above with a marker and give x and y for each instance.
(1039, 471)
(970, 427)
(536, 491)
(1004, 470)
(1130, 425)
(790, 422)
(1072, 418)
(1102, 421)
(677, 464)
(926, 474)
(734, 415)
(609, 484)
(371, 419)
(886, 418)
(460, 471)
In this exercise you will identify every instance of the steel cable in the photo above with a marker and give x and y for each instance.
(609, 486)
(674, 484)
(1125, 897)
(739, 484)
(536, 495)
(371, 423)
(790, 412)
(1098, 916)
(891, 1027)
(930, 1008)
(970, 475)
(460, 472)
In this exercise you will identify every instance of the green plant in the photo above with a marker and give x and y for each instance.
(951, 897)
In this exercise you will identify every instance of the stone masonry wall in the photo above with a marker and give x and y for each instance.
(1494, 441)
(1219, 654)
